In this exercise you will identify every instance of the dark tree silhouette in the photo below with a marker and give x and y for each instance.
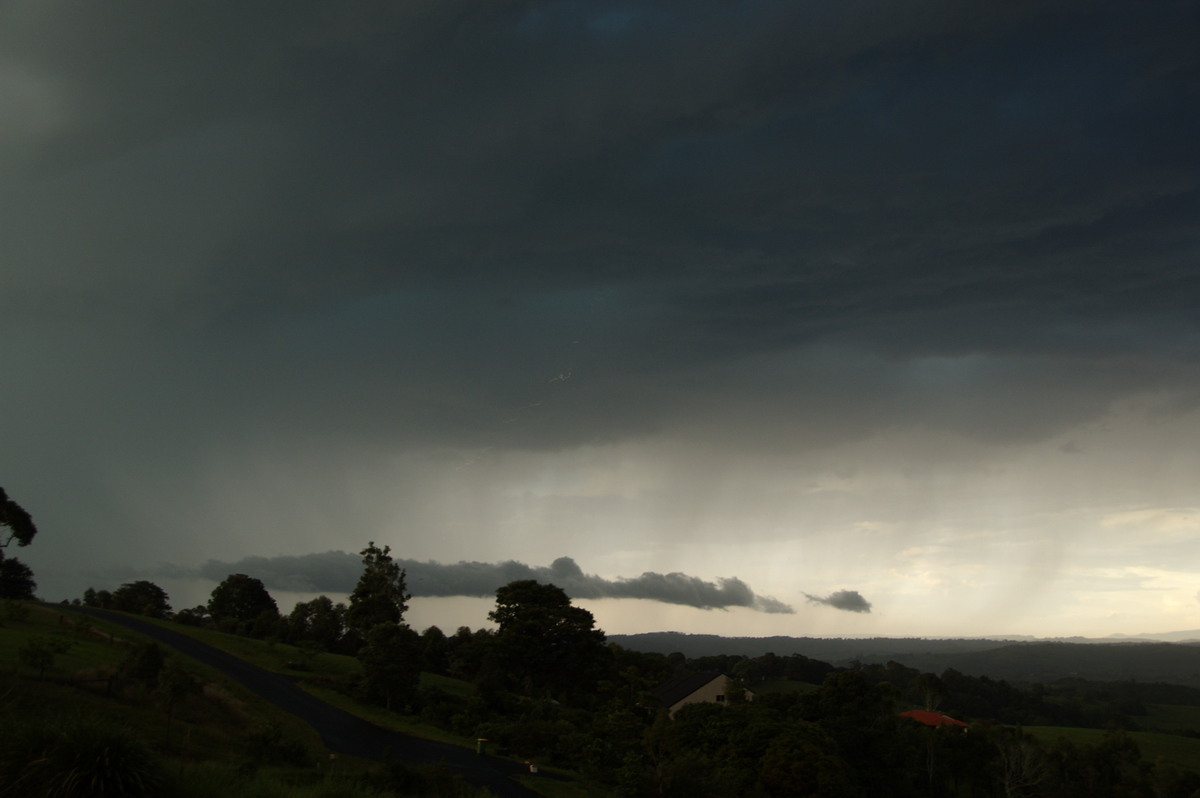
(240, 601)
(433, 650)
(546, 645)
(389, 651)
(16, 579)
(381, 595)
(97, 598)
(19, 523)
(319, 622)
(391, 663)
(141, 598)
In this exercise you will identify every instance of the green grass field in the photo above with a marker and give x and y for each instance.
(1183, 752)
(1170, 718)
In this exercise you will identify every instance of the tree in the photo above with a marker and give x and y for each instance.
(319, 622)
(433, 650)
(39, 652)
(16, 579)
(192, 616)
(144, 662)
(389, 651)
(802, 760)
(141, 598)
(18, 522)
(97, 598)
(241, 602)
(1025, 767)
(931, 689)
(175, 684)
(468, 652)
(546, 645)
(381, 593)
(860, 715)
(391, 663)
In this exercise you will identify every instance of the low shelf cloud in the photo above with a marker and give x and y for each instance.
(337, 572)
(848, 600)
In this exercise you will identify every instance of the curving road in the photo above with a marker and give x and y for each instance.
(339, 730)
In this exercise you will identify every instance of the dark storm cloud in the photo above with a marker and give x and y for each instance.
(641, 195)
(848, 600)
(237, 238)
(826, 162)
(338, 572)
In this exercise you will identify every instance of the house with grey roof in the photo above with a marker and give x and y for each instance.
(710, 687)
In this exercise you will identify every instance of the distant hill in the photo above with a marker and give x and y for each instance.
(1190, 636)
(1016, 661)
(836, 650)
(1173, 663)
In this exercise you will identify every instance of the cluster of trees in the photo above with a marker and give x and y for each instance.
(371, 627)
(847, 739)
(843, 738)
(548, 686)
(543, 645)
(140, 598)
(16, 578)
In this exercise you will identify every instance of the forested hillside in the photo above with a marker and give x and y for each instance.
(1021, 661)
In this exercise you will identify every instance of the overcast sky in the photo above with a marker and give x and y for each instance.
(799, 318)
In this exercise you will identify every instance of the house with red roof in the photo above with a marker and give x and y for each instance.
(934, 719)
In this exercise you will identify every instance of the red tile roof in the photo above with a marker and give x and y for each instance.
(931, 718)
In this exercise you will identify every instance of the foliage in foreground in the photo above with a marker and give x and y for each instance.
(77, 758)
(119, 717)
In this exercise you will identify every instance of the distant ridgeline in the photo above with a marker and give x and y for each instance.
(1016, 661)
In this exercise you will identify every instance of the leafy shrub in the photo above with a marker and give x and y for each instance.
(144, 662)
(39, 652)
(266, 745)
(76, 759)
(15, 610)
(438, 707)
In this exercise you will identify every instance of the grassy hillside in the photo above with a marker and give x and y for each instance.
(85, 719)
(269, 655)
(319, 674)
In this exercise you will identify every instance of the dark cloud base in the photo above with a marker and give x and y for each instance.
(337, 572)
(848, 600)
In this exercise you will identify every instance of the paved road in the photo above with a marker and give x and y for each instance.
(339, 730)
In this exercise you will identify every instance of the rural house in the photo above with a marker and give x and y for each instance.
(934, 719)
(691, 688)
